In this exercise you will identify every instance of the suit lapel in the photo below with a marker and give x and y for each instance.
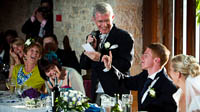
(149, 98)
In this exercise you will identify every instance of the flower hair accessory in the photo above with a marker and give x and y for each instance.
(29, 42)
(52, 55)
(186, 60)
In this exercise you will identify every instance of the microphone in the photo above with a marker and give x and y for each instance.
(94, 34)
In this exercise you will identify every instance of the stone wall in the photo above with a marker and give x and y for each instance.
(15, 12)
(77, 22)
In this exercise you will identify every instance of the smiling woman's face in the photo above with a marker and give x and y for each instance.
(33, 54)
(52, 72)
(18, 49)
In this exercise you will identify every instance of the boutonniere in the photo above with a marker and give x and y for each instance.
(109, 47)
(152, 92)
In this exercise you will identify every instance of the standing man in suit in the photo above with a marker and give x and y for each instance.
(108, 35)
(154, 88)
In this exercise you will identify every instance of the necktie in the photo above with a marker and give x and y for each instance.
(146, 85)
(41, 32)
(102, 40)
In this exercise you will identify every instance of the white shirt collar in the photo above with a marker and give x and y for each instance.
(152, 76)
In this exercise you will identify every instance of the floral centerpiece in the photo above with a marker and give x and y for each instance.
(31, 98)
(31, 93)
(72, 100)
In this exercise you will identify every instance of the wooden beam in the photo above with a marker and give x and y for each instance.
(154, 4)
(167, 39)
(167, 34)
(191, 20)
(150, 22)
(147, 23)
(178, 40)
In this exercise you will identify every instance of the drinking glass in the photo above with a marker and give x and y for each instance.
(19, 89)
(11, 85)
(8, 81)
(106, 102)
(127, 100)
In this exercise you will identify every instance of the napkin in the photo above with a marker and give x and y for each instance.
(93, 108)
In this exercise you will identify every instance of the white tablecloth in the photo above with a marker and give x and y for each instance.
(13, 104)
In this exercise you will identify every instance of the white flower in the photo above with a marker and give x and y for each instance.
(65, 98)
(107, 45)
(79, 103)
(71, 94)
(65, 93)
(73, 99)
(152, 92)
(28, 42)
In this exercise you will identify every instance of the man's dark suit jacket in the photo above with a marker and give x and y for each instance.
(31, 29)
(122, 57)
(164, 88)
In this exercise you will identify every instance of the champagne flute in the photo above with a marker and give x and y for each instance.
(8, 82)
(12, 86)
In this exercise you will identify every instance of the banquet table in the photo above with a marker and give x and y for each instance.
(12, 103)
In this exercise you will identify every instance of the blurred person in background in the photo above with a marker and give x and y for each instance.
(16, 53)
(41, 21)
(5, 40)
(70, 55)
(50, 43)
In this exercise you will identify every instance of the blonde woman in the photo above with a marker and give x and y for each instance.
(16, 53)
(185, 73)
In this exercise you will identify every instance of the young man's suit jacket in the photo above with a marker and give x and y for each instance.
(163, 87)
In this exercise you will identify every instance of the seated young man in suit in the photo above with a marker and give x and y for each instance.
(154, 88)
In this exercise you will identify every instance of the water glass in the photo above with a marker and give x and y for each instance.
(19, 89)
(127, 100)
(105, 100)
(10, 84)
